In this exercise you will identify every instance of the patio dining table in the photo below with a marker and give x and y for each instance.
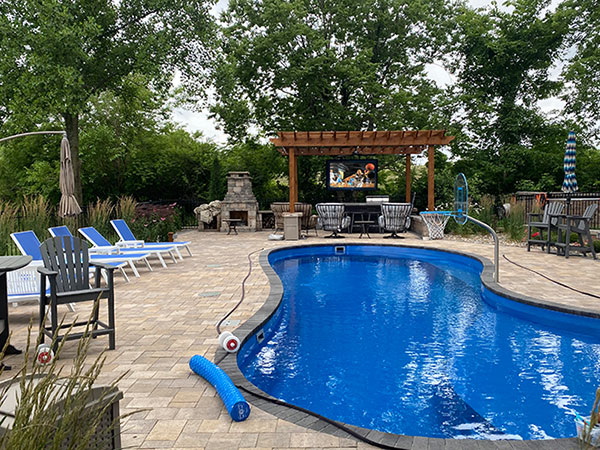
(363, 211)
(8, 264)
(565, 226)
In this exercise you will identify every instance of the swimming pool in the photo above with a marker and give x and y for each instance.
(407, 341)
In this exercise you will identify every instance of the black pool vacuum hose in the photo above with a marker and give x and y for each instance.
(550, 279)
(338, 425)
(243, 291)
(344, 428)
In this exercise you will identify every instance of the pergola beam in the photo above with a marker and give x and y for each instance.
(311, 139)
(343, 151)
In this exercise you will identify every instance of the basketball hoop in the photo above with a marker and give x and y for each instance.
(436, 220)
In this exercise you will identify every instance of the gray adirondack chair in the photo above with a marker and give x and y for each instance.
(393, 218)
(543, 223)
(67, 268)
(579, 225)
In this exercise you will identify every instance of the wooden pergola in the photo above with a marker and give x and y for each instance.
(345, 143)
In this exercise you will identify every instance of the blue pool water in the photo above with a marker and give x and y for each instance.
(407, 341)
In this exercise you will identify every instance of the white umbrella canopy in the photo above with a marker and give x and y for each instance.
(68, 203)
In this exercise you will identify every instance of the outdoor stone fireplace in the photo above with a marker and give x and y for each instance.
(240, 202)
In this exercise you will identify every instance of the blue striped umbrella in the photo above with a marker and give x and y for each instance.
(569, 185)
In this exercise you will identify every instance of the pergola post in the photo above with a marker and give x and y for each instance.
(430, 178)
(408, 180)
(293, 179)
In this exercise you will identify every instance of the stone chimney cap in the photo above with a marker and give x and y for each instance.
(238, 174)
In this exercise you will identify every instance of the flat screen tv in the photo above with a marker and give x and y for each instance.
(352, 174)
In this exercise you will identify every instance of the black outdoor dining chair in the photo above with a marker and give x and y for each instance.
(393, 218)
(332, 218)
(67, 269)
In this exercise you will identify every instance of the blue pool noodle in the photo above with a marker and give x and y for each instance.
(234, 401)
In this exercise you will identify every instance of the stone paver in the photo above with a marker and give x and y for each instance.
(168, 315)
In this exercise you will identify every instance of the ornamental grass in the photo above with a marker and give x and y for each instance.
(38, 421)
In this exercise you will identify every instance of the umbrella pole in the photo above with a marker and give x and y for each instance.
(568, 204)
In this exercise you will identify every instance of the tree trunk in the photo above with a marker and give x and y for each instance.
(72, 127)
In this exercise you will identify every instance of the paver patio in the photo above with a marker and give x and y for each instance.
(167, 316)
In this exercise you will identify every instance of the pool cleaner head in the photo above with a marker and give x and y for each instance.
(229, 342)
(44, 354)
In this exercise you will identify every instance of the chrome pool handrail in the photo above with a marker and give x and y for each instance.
(496, 246)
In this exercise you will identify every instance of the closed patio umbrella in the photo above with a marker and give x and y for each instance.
(68, 203)
(569, 185)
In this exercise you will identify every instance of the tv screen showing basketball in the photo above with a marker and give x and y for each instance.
(349, 175)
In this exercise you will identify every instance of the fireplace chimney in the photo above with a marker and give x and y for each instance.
(240, 202)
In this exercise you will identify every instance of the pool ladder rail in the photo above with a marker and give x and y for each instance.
(490, 230)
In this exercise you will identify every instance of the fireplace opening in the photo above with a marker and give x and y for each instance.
(242, 215)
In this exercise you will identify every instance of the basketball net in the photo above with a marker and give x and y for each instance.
(436, 222)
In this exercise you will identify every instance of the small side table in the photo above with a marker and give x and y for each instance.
(232, 223)
(291, 225)
(8, 264)
(365, 227)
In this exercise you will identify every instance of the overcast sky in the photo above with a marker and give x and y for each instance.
(199, 121)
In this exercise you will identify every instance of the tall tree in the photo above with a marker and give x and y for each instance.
(216, 184)
(58, 54)
(329, 65)
(582, 71)
(503, 61)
